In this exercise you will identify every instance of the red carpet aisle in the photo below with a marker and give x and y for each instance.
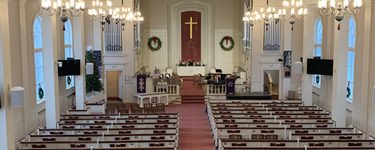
(195, 133)
(190, 93)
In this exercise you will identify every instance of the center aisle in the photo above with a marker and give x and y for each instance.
(195, 133)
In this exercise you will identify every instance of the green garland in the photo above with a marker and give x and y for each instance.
(155, 40)
(227, 39)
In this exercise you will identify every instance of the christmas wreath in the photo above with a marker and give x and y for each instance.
(40, 93)
(229, 43)
(154, 43)
(69, 80)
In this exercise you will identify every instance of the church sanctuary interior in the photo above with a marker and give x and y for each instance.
(187, 75)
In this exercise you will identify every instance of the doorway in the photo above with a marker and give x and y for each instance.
(114, 85)
(271, 83)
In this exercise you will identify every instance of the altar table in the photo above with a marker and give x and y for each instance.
(191, 70)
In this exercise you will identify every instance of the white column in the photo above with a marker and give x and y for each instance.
(50, 53)
(129, 87)
(297, 50)
(79, 53)
(6, 119)
(308, 48)
(29, 111)
(98, 39)
(340, 38)
(368, 108)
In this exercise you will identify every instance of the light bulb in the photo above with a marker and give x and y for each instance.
(346, 3)
(59, 3)
(54, 5)
(333, 3)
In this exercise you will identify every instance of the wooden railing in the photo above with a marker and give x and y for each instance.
(212, 89)
(171, 89)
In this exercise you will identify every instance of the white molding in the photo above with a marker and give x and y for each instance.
(175, 8)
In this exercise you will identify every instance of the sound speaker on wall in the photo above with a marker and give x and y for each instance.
(297, 67)
(17, 96)
(89, 68)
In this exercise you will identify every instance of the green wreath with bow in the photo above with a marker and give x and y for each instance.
(157, 43)
(227, 40)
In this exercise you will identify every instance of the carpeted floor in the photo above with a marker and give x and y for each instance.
(195, 133)
(190, 92)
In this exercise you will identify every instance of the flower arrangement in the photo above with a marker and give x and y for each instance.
(190, 63)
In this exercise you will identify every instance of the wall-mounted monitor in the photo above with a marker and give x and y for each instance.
(69, 67)
(320, 66)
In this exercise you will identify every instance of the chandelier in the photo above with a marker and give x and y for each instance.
(267, 15)
(63, 8)
(106, 13)
(293, 11)
(125, 15)
(101, 11)
(251, 16)
(339, 8)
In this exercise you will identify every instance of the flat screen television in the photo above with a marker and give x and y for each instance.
(320, 66)
(69, 67)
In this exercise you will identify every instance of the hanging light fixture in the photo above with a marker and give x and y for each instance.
(63, 8)
(106, 13)
(339, 8)
(269, 15)
(101, 11)
(251, 16)
(293, 11)
(126, 15)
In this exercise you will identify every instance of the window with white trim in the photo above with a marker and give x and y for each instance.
(351, 59)
(318, 49)
(68, 44)
(38, 59)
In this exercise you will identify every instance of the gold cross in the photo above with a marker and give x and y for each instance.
(191, 23)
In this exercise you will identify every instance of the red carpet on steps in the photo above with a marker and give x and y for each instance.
(195, 132)
(190, 92)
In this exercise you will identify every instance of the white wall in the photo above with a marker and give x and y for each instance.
(225, 19)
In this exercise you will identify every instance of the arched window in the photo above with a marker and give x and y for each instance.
(68, 42)
(38, 59)
(318, 40)
(351, 58)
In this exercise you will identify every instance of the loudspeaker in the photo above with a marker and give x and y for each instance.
(89, 68)
(297, 67)
(17, 96)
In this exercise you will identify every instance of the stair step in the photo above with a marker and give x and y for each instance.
(190, 92)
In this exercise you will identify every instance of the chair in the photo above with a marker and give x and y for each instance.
(110, 111)
(160, 107)
(123, 109)
(135, 109)
(148, 109)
